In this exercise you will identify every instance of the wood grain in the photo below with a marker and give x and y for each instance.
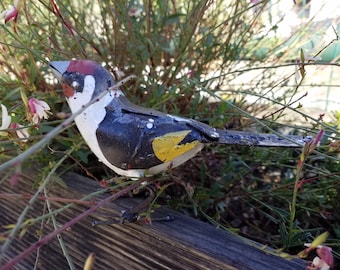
(184, 243)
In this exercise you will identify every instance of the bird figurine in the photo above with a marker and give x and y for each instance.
(135, 141)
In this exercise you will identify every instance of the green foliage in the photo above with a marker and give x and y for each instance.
(188, 57)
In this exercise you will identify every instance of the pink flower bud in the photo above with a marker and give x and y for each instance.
(325, 253)
(11, 13)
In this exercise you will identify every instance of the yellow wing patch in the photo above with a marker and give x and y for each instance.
(167, 147)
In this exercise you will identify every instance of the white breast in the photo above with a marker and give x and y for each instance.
(89, 120)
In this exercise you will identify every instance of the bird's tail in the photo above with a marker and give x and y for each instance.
(261, 139)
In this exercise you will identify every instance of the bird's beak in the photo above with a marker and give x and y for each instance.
(59, 68)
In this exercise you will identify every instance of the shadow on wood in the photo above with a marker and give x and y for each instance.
(184, 243)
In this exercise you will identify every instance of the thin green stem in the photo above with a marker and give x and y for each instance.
(292, 206)
(60, 239)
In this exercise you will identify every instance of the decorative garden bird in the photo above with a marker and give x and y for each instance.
(135, 141)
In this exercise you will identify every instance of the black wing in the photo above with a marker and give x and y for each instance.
(131, 136)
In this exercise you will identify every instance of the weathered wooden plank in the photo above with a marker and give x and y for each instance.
(184, 243)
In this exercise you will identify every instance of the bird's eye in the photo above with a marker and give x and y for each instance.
(74, 85)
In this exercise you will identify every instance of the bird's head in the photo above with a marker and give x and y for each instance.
(81, 80)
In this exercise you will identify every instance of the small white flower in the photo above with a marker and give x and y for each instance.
(21, 132)
(320, 264)
(6, 119)
(38, 109)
